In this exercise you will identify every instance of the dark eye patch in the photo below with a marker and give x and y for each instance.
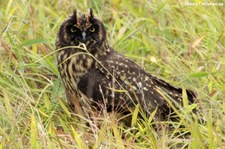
(73, 29)
(93, 28)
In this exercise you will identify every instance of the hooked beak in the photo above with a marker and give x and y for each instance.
(84, 35)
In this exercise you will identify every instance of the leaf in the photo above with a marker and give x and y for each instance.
(160, 8)
(197, 42)
(65, 109)
(199, 75)
(79, 142)
(185, 98)
(151, 117)
(43, 113)
(152, 59)
(7, 104)
(192, 106)
(135, 115)
(121, 32)
(33, 41)
(33, 132)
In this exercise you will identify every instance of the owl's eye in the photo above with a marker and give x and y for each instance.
(73, 30)
(92, 29)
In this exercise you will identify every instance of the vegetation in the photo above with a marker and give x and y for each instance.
(183, 44)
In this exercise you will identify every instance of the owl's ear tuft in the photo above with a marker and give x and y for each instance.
(91, 15)
(74, 15)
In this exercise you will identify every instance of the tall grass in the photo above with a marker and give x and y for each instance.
(181, 44)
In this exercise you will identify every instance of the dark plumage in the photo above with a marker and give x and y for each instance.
(106, 76)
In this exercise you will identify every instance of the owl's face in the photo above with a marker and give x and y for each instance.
(83, 29)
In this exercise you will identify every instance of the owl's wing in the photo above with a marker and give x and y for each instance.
(97, 85)
(121, 81)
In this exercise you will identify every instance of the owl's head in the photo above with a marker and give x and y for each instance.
(83, 28)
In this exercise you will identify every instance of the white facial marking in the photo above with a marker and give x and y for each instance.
(84, 35)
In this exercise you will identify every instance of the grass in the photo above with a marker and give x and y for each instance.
(182, 44)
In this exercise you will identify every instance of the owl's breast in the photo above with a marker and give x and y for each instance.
(72, 65)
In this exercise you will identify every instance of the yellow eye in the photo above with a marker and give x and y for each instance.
(73, 30)
(91, 29)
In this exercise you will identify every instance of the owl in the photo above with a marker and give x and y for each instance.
(95, 75)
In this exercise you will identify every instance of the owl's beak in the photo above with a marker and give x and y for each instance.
(84, 35)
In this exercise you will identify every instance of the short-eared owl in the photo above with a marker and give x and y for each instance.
(90, 67)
